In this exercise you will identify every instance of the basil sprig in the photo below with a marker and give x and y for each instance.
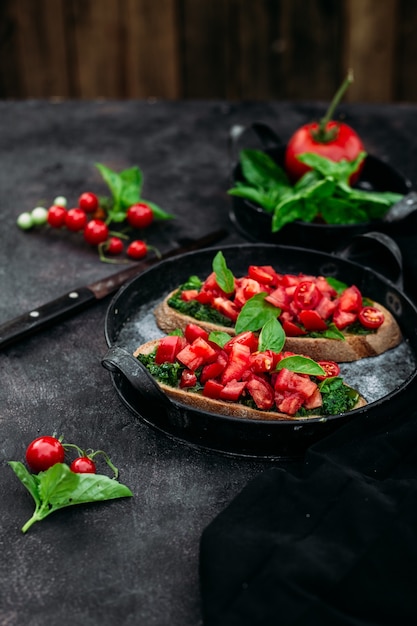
(126, 189)
(59, 487)
(323, 192)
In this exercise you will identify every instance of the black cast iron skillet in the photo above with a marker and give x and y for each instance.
(387, 381)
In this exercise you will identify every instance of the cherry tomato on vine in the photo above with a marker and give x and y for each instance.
(114, 246)
(140, 215)
(330, 368)
(44, 452)
(56, 216)
(328, 138)
(83, 465)
(371, 317)
(95, 232)
(137, 249)
(75, 219)
(88, 202)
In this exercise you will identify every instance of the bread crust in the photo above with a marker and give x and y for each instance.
(354, 347)
(229, 409)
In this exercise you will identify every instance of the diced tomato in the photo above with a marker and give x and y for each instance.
(212, 389)
(204, 297)
(189, 358)
(246, 288)
(204, 350)
(291, 381)
(232, 390)
(263, 361)
(371, 317)
(350, 299)
(212, 370)
(264, 274)
(314, 401)
(237, 363)
(342, 319)
(246, 338)
(311, 320)
(168, 348)
(192, 331)
(188, 379)
(262, 392)
(279, 298)
(289, 280)
(226, 307)
(307, 295)
(189, 294)
(290, 403)
(292, 330)
(325, 288)
(326, 307)
(331, 369)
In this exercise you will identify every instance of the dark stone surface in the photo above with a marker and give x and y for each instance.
(132, 561)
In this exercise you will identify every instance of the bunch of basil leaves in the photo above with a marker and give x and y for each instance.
(322, 194)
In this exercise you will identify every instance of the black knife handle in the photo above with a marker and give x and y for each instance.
(42, 316)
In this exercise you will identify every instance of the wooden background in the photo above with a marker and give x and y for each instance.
(229, 49)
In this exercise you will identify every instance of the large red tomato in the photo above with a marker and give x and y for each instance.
(328, 138)
(344, 144)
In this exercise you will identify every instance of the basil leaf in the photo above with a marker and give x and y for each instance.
(255, 313)
(301, 365)
(261, 170)
(28, 479)
(59, 487)
(338, 170)
(265, 199)
(224, 276)
(272, 336)
(113, 180)
(219, 337)
(337, 285)
(292, 209)
(340, 211)
(158, 213)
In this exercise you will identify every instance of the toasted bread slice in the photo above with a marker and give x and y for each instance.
(355, 347)
(229, 409)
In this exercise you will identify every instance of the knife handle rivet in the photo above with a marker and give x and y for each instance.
(73, 295)
(34, 314)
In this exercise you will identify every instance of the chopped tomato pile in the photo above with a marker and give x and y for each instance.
(238, 371)
(306, 303)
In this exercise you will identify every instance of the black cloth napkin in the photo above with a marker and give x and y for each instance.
(329, 541)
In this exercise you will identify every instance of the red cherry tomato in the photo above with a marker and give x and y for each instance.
(306, 295)
(75, 219)
(137, 249)
(95, 232)
(331, 369)
(371, 317)
(114, 246)
(44, 452)
(346, 144)
(83, 465)
(56, 216)
(88, 202)
(140, 215)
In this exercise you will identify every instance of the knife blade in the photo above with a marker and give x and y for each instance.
(78, 299)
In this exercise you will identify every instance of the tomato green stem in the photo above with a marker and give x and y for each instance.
(322, 134)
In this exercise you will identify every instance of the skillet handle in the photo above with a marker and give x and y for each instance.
(120, 360)
(378, 252)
